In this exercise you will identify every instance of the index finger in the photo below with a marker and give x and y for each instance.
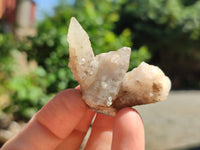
(52, 123)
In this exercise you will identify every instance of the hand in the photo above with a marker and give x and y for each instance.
(63, 122)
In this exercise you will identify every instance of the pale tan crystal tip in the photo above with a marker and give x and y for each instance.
(105, 85)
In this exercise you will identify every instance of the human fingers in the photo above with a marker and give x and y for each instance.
(74, 140)
(128, 131)
(101, 135)
(56, 120)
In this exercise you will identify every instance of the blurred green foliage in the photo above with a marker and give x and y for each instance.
(6, 62)
(164, 32)
(6, 46)
(171, 30)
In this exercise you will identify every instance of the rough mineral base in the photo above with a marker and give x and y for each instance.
(105, 83)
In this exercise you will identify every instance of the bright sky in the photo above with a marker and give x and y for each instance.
(44, 6)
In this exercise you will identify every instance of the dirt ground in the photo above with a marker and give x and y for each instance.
(173, 124)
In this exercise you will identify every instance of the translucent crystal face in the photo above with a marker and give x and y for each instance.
(105, 85)
(110, 73)
(82, 60)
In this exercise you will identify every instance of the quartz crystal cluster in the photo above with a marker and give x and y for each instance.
(105, 83)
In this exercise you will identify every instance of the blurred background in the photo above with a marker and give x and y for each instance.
(34, 57)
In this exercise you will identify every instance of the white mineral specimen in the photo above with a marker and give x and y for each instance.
(143, 85)
(105, 85)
